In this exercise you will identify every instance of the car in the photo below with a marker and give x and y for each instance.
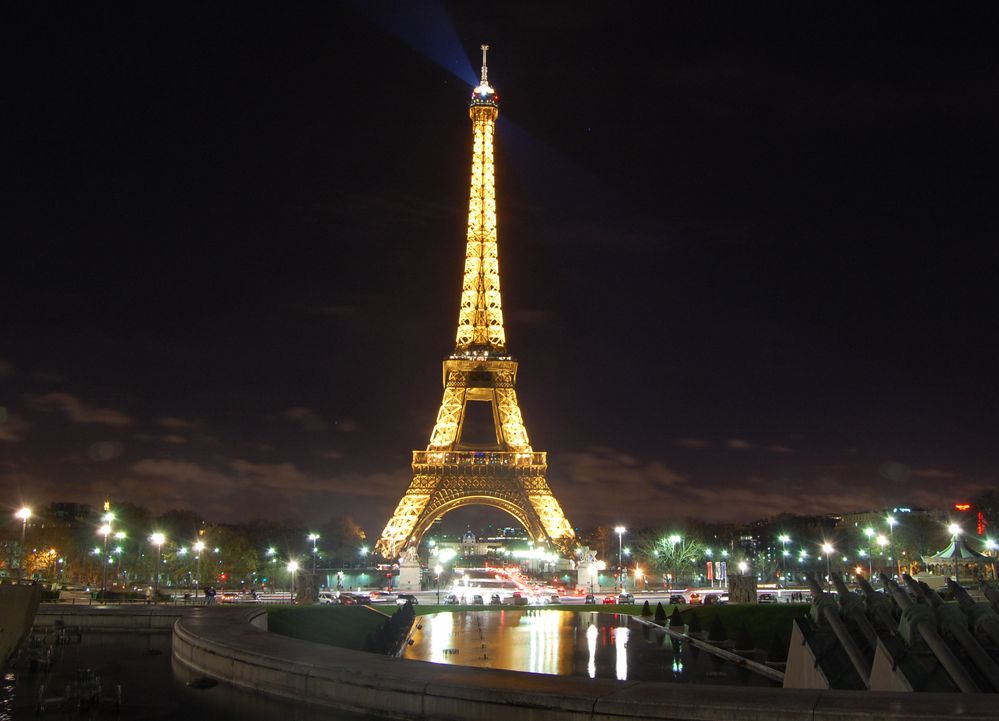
(626, 598)
(403, 598)
(554, 598)
(495, 599)
(354, 599)
(709, 599)
(477, 600)
(695, 598)
(328, 597)
(451, 599)
(766, 598)
(518, 600)
(677, 599)
(590, 598)
(610, 600)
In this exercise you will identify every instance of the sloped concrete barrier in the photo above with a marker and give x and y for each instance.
(233, 646)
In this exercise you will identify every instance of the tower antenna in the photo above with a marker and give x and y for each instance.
(485, 70)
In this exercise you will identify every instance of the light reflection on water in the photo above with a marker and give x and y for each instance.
(540, 641)
(566, 643)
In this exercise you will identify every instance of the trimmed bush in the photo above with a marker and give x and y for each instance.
(743, 640)
(695, 623)
(660, 617)
(675, 619)
(646, 609)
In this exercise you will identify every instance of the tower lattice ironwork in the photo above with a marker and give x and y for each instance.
(507, 474)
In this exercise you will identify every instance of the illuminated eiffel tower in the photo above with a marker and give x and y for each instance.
(507, 474)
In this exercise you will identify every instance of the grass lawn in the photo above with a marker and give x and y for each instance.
(344, 626)
(762, 620)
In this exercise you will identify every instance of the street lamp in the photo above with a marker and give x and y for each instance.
(105, 531)
(315, 550)
(198, 547)
(437, 570)
(892, 522)
(955, 532)
(784, 540)
(674, 541)
(158, 539)
(24, 514)
(620, 531)
(827, 549)
(292, 569)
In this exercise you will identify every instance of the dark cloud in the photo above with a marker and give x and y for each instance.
(76, 410)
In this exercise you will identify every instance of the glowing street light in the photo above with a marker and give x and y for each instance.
(437, 570)
(743, 566)
(315, 550)
(158, 539)
(620, 531)
(827, 548)
(784, 553)
(674, 541)
(292, 569)
(24, 513)
(105, 531)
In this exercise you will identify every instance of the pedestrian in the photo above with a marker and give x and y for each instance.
(210, 596)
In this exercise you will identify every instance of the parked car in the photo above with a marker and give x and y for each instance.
(328, 597)
(695, 599)
(554, 598)
(477, 599)
(677, 599)
(518, 600)
(451, 599)
(495, 599)
(609, 600)
(590, 598)
(710, 599)
(766, 598)
(403, 598)
(626, 598)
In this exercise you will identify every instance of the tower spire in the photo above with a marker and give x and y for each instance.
(480, 315)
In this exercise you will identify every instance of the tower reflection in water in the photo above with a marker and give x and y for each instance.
(540, 641)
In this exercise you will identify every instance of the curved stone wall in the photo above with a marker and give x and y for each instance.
(233, 646)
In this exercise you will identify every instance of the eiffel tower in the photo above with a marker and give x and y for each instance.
(507, 474)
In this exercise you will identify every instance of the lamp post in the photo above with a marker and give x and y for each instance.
(674, 541)
(869, 533)
(882, 542)
(24, 514)
(292, 569)
(105, 531)
(955, 532)
(437, 570)
(784, 540)
(892, 522)
(991, 546)
(158, 540)
(198, 547)
(315, 550)
(827, 549)
(620, 531)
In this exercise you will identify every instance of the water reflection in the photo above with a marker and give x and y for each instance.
(591, 644)
(620, 635)
(565, 643)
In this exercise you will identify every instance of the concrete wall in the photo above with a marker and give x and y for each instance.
(230, 645)
(110, 618)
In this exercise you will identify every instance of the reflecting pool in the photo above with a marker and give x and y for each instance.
(566, 643)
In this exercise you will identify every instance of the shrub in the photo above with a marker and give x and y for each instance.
(660, 613)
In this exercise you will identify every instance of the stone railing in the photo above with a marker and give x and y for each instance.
(232, 646)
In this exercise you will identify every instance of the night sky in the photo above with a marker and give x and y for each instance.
(748, 257)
